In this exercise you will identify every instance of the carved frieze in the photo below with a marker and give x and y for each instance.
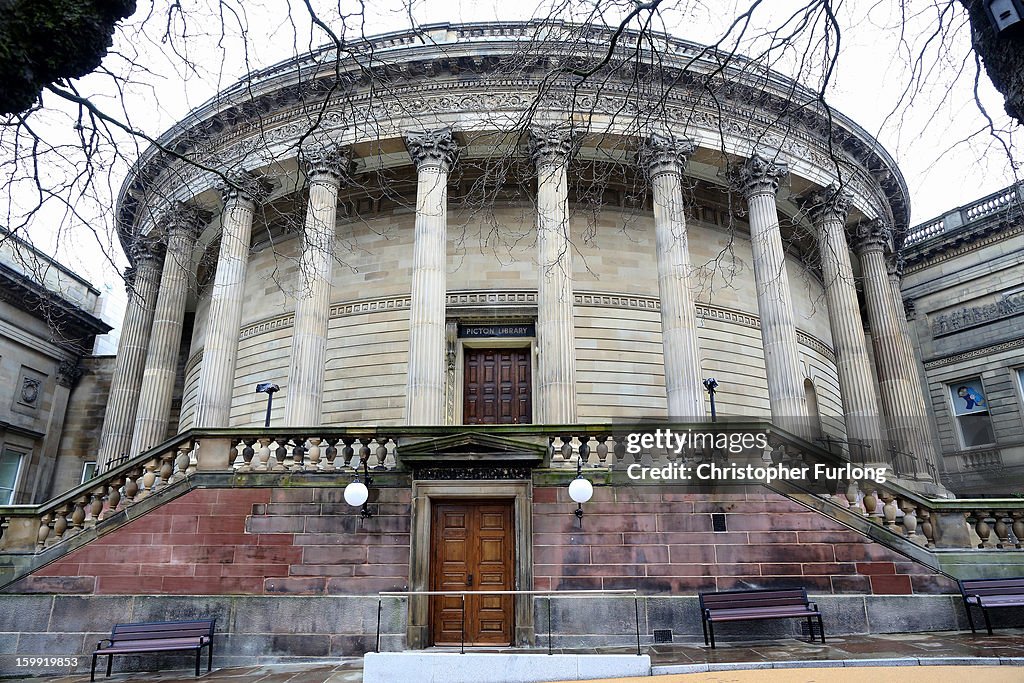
(1005, 306)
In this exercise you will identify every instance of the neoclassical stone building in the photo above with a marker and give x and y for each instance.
(374, 273)
(463, 266)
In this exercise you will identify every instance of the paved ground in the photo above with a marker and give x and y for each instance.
(983, 653)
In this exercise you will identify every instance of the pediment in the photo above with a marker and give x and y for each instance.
(471, 448)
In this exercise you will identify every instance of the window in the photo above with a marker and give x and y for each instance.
(970, 408)
(88, 472)
(10, 467)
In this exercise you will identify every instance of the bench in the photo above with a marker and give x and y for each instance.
(986, 594)
(755, 605)
(156, 636)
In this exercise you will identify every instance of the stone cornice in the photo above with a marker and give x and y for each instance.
(955, 244)
(758, 174)
(432, 148)
(665, 154)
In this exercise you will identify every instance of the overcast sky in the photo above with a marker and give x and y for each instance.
(937, 135)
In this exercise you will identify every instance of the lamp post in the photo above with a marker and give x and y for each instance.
(580, 490)
(357, 493)
(268, 388)
(711, 384)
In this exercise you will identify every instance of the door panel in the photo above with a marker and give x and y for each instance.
(472, 550)
(497, 387)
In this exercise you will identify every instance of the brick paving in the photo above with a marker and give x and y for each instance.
(949, 648)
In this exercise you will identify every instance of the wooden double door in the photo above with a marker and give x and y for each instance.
(497, 387)
(473, 549)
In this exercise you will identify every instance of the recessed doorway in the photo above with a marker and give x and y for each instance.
(473, 549)
(497, 386)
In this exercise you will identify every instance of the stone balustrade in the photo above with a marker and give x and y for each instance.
(605, 451)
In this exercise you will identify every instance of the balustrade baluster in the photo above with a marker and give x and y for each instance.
(78, 515)
(910, 520)
(113, 496)
(263, 455)
(557, 459)
(131, 488)
(280, 455)
(889, 511)
(1001, 528)
(870, 503)
(602, 452)
(330, 454)
(166, 469)
(313, 455)
(95, 506)
(288, 459)
(44, 529)
(568, 453)
(927, 528)
(981, 527)
(853, 496)
(390, 454)
(148, 479)
(348, 453)
(364, 453)
(60, 524)
(1018, 529)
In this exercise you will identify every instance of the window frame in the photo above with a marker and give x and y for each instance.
(950, 389)
(18, 473)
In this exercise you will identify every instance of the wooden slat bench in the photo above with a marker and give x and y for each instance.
(986, 594)
(755, 605)
(157, 636)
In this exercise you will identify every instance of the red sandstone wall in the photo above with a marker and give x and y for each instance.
(662, 542)
(244, 541)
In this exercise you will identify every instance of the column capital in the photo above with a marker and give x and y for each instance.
(244, 186)
(550, 145)
(144, 251)
(183, 218)
(831, 202)
(758, 174)
(665, 154)
(873, 235)
(896, 265)
(327, 163)
(68, 372)
(432, 148)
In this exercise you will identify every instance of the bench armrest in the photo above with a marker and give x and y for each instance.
(813, 606)
(99, 645)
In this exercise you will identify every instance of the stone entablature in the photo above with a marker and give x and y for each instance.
(442, 94)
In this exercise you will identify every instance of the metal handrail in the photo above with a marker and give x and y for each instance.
(580, 593)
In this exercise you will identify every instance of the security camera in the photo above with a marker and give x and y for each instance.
(267, 388)
(710, 383)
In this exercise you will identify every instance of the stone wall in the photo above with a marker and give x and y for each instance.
(660, 541)
(243, 541)
(618, 327)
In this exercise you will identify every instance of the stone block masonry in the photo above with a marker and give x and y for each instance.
(301, 541)
(661, 541)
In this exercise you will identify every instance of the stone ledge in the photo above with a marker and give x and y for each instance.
(473, 667)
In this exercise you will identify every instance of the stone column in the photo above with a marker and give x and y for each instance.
(220, 352)
(326, 168)
(664, 159)
(182, 225)
(141, 280)
(899, 387)
(828, 209)
(551, 149)
(434, 152)
(758, 179)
